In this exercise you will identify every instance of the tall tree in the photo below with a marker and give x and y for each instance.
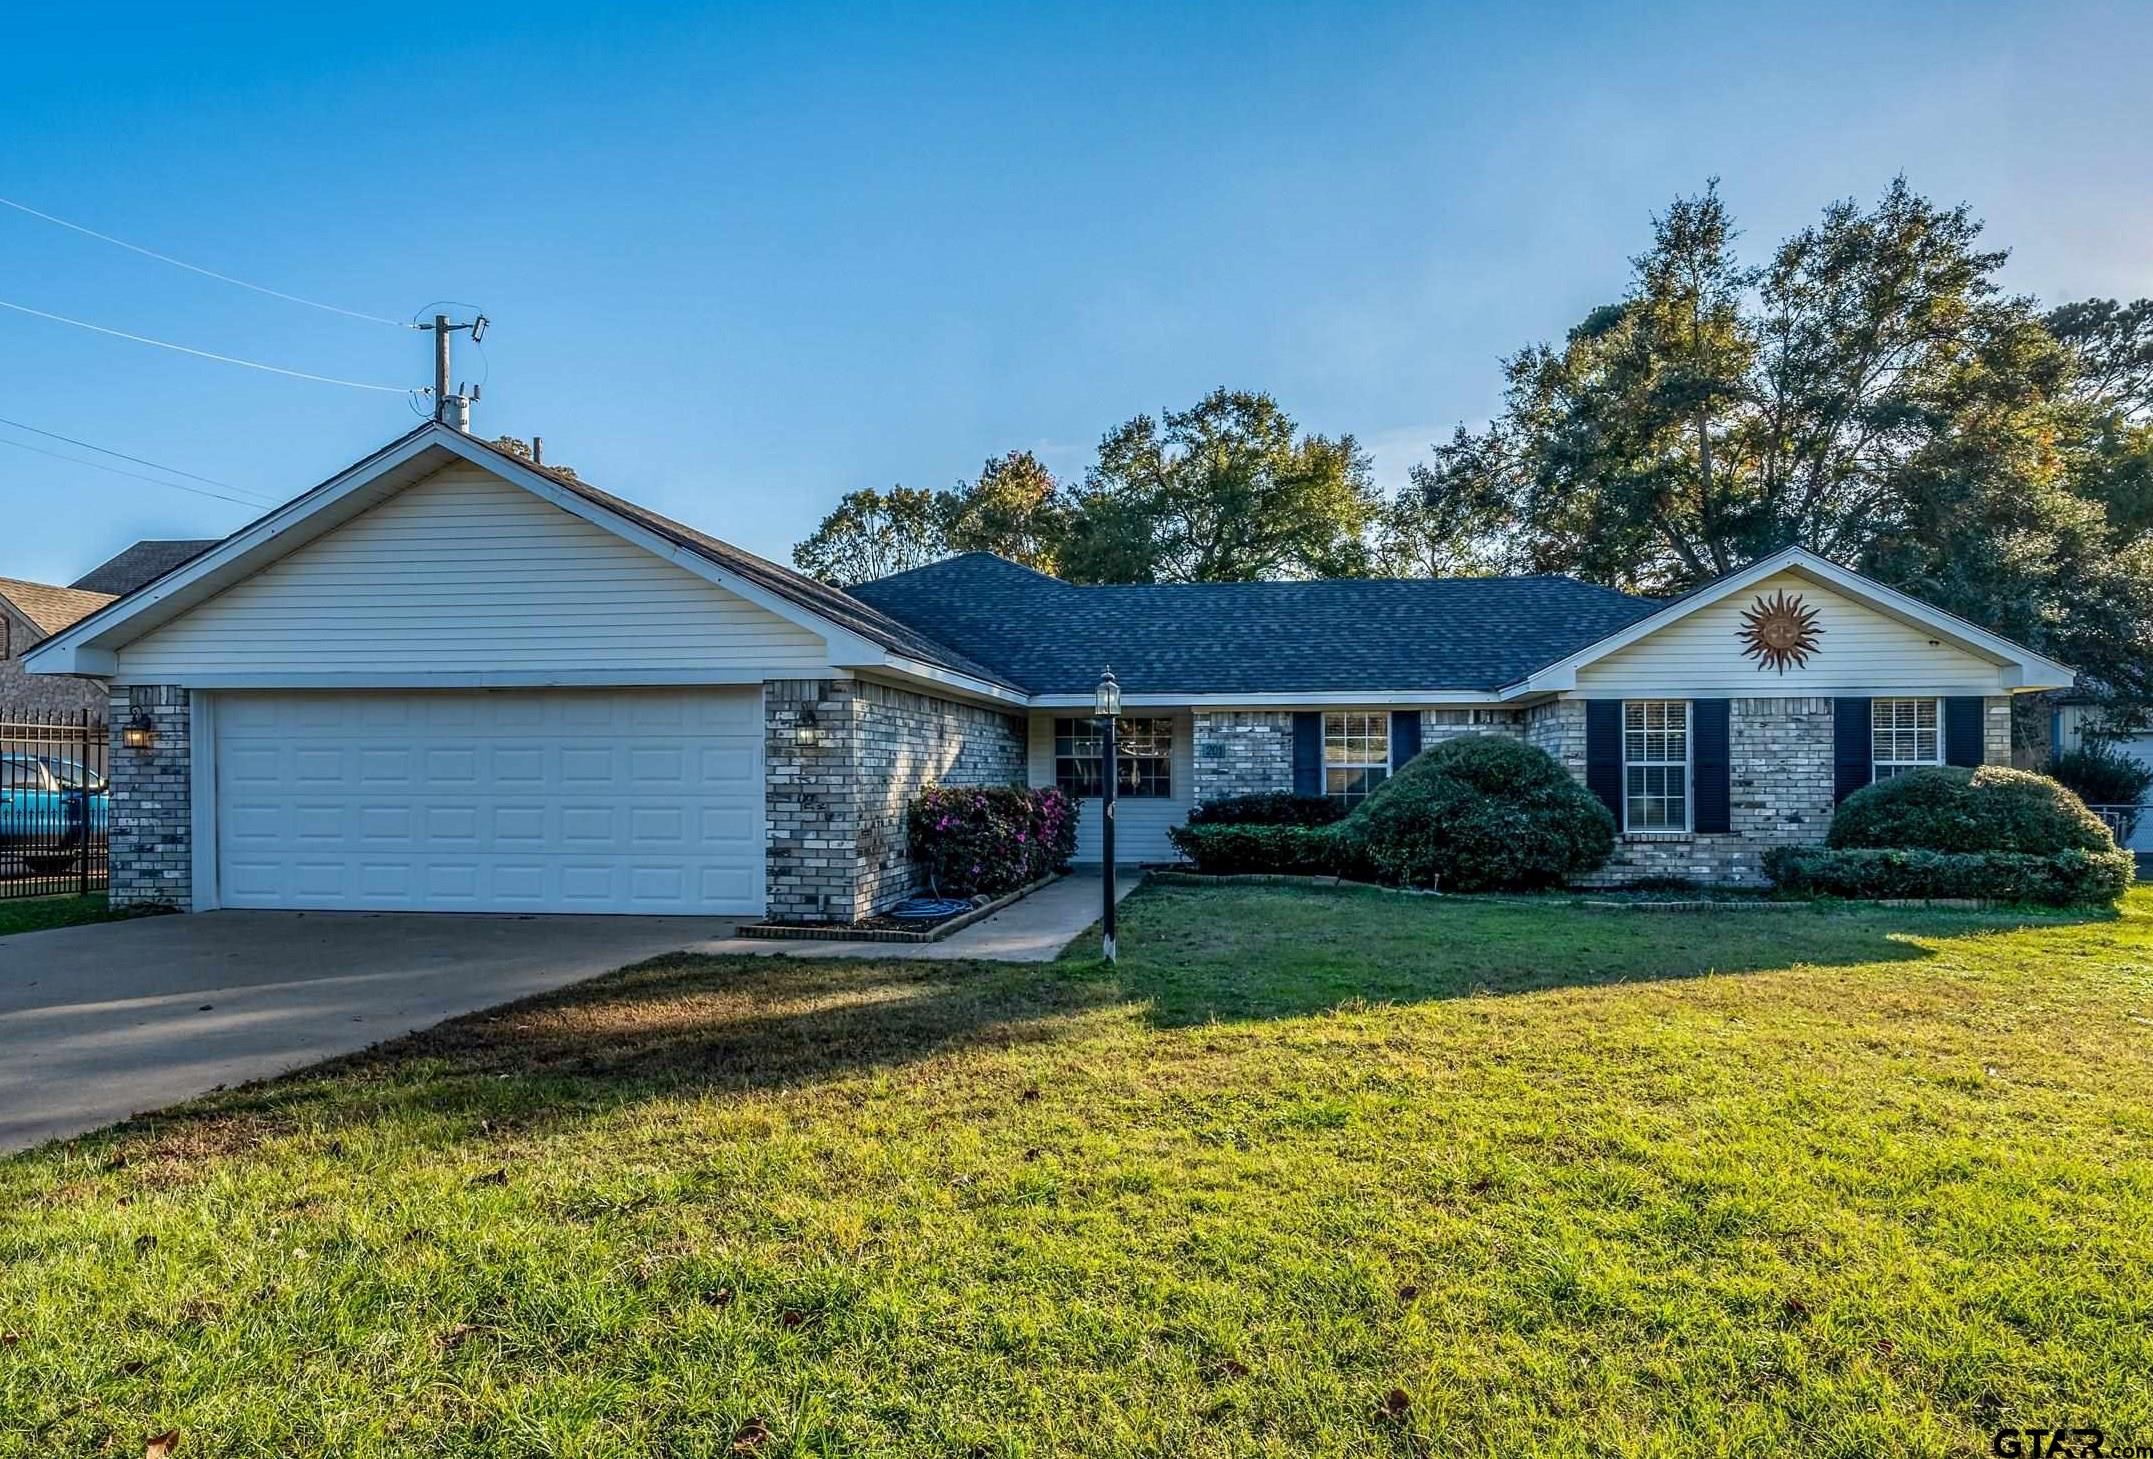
(1225, 491)
(1871, 393)
(1448, 521)
(872, 534)
(1015, 510)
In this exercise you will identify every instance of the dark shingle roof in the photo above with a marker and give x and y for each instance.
(50, 608)
(796, 588)
(1339, 635)
(145, 562)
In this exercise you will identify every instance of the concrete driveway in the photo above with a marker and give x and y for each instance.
(101, 1022)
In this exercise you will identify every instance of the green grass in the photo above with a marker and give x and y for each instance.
(1312, 1173)
(35, 914)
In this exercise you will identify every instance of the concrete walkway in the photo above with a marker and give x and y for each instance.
(99, 1022)
(1034, 930)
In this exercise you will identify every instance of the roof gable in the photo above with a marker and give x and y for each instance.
(2016, 666)
(858, 635)
(49, 609)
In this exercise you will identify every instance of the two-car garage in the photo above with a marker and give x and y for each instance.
(516, 800)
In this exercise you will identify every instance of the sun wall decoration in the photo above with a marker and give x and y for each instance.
(1779, 632)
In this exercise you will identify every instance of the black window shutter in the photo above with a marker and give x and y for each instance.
(1404, 736)
(1964, 741)
(1308, 752)
(1852, 767)
(1711, 768)
(1603, 753)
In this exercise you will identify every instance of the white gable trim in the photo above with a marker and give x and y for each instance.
(88, 647)
(2020, 668)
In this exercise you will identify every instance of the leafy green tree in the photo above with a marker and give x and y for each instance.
(1016, 510)
(1447, 522)
(1225, 491)
(872, 534)
(1871, 393)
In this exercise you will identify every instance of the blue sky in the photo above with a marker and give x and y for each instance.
(742, 259)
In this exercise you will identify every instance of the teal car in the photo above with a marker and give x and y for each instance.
(50, 809)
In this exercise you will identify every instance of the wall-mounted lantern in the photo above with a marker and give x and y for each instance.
(138, 733)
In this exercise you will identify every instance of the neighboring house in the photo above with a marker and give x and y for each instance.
(447, 680)
(145, 562)
(28, 613)
(2075, 722)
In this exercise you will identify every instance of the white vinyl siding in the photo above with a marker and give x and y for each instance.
(1905, 734)
(1655, 765)
(1857, 650)
(1140, 823)
(466, 573)
(579, 800)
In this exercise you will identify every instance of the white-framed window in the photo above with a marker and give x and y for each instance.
(1905, 734)
(1143, 758)
(1356, 754)
(1655, 765)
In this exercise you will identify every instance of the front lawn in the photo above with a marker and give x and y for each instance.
(1318, 1172)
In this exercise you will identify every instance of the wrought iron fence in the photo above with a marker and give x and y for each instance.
(53, 806)
(2121, 820)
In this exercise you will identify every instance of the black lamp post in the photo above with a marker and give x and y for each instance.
(1108, 705)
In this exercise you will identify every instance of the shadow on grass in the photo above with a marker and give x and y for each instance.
(700, 1025)
(1197, 954)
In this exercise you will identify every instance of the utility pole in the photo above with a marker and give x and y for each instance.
(452, 409)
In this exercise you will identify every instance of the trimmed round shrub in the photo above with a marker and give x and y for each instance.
(1479, 813)
(1268, 808)
(1950, 808)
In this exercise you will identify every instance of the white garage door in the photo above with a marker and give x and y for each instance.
(515, 801)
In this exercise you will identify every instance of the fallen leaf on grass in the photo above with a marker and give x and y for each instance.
(751, 1436)
(1408, 1292)
(722, 1297)
(162, 1445)
(1394, 1406)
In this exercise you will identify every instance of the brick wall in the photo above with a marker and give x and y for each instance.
(39, 695)
(1996, 731)
(1242, 752)
(150, 817)
(1780, 793)
(907, 742)
(843, 759)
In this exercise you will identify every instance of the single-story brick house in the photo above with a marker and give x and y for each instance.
(447, 680)
(29, 613)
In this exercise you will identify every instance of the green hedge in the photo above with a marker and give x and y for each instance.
(1989, 808)
(1268, 808)
(1285, 850)
(2065, 878)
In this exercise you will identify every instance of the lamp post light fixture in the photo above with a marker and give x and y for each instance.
(1107, 703)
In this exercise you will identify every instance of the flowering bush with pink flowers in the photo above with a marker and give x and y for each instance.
(967, 839)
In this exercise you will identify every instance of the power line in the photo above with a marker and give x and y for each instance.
(116, 471)
(198, 269)
(122, 455)
(204, 354)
